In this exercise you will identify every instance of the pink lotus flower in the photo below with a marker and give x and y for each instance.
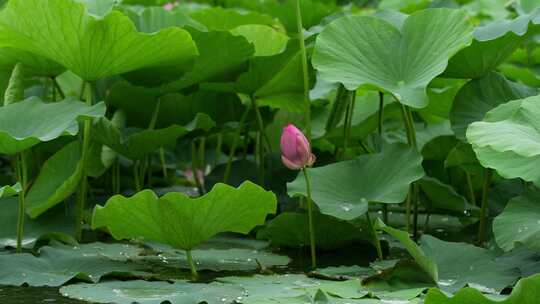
(169, 6)
(295, 149)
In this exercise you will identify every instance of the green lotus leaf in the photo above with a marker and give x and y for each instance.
(153, 19)
(135, 144)
(479, 96)
(144, 292)
(215, 66)
(462, 264)
(368, 51)
(407, 6)
(33, 65)
(508, 139)
(7, 191)
(58, 264)
(276, 81)
(493, 43)
(183, 222)
(57, 180)
(444, 197)
(519, 222)
(220, 19)
(98, 46)
(54, 224)
(427, 264)
(344, 189)
(266, 40)
(526, 291)
(43, 122)
(291, 230)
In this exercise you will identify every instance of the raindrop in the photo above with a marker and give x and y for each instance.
(346, 207)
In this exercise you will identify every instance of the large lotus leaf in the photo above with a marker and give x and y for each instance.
(479, 96)
(135, 143)
(58, 179)
(313, 11)
(225, 65)
(368, 51)
(97, 46)
(266, 40)
(508, 139)
(143, 292)
(33, 65)
(174, 108)
(443, 196)
(492, 44)
(208, 257)
(183, 222)
(220, 19)
(344, 189)
(291, 230)
(153, 19)
(57, 265)
(526, 291)
(462, 264)
(519, 222)
(42, 122)
(54, 224)
(422, 259)
(275, 81)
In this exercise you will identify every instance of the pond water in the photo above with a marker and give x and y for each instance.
(34, 295)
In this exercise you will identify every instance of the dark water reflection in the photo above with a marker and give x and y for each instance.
(33, 295)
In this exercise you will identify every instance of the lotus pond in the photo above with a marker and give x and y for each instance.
(270, 151)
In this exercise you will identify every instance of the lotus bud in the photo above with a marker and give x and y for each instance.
(295, 149)
(169, 6)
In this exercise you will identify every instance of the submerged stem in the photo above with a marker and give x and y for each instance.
(83, 186)
(305, 73)
(310, 221)
(194, 274)
(22, 177)
(483, 210)
(375, 236)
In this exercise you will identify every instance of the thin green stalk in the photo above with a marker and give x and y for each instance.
(58, 88)
(413, 191)
(137, 175)
(472, 197)
(380, 132)
(259, 156)
(202, 160)
(375, 236)
(415, 214)
(219, 143)
(162, 161)
(22, 172)
(260, 124)
(116, 175)
(305, 74)
(310, 220)
(83, 186)
(426, 223)
(192, 267)
(483, 208)
(151, 126)
(408, 209)
(232, 152)
(348, 124)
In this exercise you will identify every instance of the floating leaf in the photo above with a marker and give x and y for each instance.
(519, 222)
(344, 189)
(508, 139)
(479, 96)
(43, 122)
(57, 265)
(368, 51)
(526, 291)
(144, 292)
(183, 222)
(98, 46)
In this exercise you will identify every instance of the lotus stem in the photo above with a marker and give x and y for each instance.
(83, 186)
(219, 143)
(147, 160)
(192, 267)
(260, 123)
(162, 161)
(375, 236)
(305, 73)
(470, 188)
(136, 175)
(310, 220)
(116, 177)
(22, 171)
(483, 208)
(232, 152)
(195, 166)
(348, 124)
(58, 88)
